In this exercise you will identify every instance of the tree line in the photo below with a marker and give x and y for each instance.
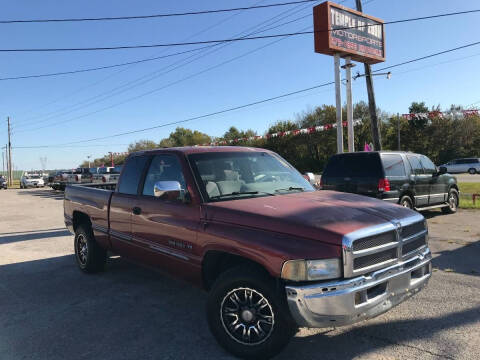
(441, 138)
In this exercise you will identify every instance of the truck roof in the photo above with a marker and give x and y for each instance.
(187, 150)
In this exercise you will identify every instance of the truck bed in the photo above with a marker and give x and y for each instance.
(93, 201)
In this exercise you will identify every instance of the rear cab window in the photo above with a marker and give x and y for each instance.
(359, 165)
(130, 178)
(393, 165)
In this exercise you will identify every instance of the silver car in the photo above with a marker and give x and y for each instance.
(470, 165)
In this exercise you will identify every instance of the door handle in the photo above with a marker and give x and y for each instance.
(136, 210)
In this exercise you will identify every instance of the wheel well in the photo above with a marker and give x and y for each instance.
(409, 194)
(216, 262)
(454, 186)
(80, 218)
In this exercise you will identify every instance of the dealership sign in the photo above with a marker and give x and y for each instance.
(344, 31)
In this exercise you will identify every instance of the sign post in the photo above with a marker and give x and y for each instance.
(344, 32)
(338, 101)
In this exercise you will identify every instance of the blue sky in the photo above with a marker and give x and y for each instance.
(88, 104)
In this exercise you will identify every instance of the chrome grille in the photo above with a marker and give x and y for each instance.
(412, 229)
(379, 246)
(374, 241)
(374, 259)
(414, 245)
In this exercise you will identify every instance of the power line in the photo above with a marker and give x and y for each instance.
(230, 60)
(124, 47)
(67, 146)
(253, 103)
(103, 67)
(96, 99)
(429, 56)
(189, 13)
(201, 116)
(152, 91)
(159, 53)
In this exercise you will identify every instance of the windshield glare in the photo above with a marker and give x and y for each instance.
(236, 175)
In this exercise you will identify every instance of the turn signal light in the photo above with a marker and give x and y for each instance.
(383, 185)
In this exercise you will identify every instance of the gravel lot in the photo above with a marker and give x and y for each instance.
(50, 310)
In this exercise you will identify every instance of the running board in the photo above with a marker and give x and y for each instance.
(432, 207)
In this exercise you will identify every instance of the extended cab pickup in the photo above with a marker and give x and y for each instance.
(243, 224)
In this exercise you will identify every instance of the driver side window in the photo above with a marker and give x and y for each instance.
(163, 168)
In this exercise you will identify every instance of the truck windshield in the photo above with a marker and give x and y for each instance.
(237, 175)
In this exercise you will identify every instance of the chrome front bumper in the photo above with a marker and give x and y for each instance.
(348, 301)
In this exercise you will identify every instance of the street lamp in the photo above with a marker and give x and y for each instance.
(88, 157)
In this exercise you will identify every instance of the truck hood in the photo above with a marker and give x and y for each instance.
(318, 215)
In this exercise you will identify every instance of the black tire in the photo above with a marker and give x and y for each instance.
(406, 201)
(472, 171)
(453, 201)
(261, 298)
(90, 256)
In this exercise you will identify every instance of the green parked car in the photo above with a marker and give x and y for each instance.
(411, 180)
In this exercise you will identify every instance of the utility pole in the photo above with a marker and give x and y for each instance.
(371, 98)
(3, 161)
(10, 173)
(348, 70)
(398, 131)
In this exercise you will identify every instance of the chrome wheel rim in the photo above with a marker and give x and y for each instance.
(82, 249)
(452, 201)
(406, 204)
(247, 316)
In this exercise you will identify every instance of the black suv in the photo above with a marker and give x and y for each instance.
(404, 178)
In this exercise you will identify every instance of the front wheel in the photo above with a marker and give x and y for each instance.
(472, 171)
(453, 201)
(248, 315)
(90, 256)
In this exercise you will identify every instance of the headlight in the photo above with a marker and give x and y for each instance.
(309, 270)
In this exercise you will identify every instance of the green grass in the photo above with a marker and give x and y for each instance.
(466, 189)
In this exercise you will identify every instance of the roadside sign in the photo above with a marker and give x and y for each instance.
(347, 32)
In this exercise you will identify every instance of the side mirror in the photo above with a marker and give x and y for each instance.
(310, 177)
(169, 190)
(442, 170)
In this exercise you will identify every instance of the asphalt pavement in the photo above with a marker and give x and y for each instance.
(51, 310)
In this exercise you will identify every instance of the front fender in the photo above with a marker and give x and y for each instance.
(266, 248)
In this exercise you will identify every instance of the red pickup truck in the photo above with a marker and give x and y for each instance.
(243, 224)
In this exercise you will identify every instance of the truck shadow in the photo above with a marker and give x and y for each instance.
(43, 193)
(53, 310)
(33, 235)
(361, 340)
(463, 260)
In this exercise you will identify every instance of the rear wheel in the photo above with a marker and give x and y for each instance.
(406, 201)
(248, 314)
(472, 171)
(90, 256)
(453, 201)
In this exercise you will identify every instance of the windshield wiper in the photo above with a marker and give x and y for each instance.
(241, 193)
(291, 188)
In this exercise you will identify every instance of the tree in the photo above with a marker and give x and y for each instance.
(142, 145)
(185, 137)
